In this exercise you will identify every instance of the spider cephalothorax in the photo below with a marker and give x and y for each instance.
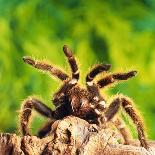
(87, 104)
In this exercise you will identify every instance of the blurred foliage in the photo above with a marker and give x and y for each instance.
(118, 32)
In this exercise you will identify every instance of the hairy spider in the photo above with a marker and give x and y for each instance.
(87, 104)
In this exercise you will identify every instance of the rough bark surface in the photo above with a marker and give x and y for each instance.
(71, 136)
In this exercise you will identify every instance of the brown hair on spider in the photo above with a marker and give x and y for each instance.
(88, 104)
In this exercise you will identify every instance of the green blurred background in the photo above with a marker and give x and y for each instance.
(119, 32)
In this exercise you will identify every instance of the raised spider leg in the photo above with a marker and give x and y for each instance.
(26, 112)
(112, 78)
(91, 86)
(127, 105)
(72, 63)
(46, 67)
(96, 70)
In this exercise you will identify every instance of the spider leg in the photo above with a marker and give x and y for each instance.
(123, 130)
(43, 131)
(26, 112)
(72, 63)
(91, 86)
(46, 67)
(127, 105)
(96, 70)
(115, 77)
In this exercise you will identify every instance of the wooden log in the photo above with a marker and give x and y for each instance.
(72, 136)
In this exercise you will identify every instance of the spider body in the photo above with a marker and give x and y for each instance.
(75, 101)
(87, 103)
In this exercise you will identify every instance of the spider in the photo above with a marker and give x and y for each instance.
(87, 104)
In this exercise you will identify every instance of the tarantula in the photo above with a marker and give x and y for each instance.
(87, 104)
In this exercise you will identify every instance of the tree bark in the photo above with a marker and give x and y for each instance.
(72, 136)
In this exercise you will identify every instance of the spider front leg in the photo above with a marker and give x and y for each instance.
(44, 66)
(26, 112)
(112, 78)
(72, 63)
(91, 86)
(127, 105)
